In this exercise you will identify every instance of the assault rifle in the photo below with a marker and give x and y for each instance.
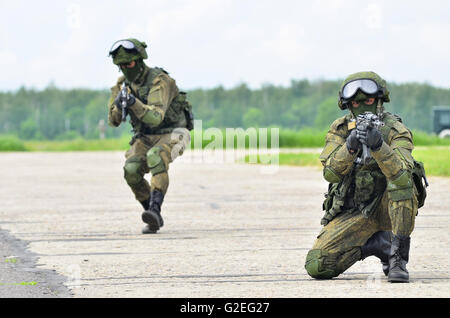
(124, 97)
(367, 121)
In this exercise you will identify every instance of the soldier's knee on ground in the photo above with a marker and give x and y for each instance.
(320, 264)
(155, 161)
(133, 172)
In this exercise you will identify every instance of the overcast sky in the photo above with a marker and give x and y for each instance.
(206, 43)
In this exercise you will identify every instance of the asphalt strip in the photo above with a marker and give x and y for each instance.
(19, 275)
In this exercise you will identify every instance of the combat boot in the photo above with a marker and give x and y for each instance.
(152, 216)
(146, 203)
(398, 258)
(378, 245)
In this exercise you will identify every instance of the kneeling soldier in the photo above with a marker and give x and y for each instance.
(375, 185)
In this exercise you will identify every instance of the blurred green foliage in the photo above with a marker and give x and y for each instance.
(61, 114)
(11, 143)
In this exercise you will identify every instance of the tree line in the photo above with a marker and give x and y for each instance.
(57, 114)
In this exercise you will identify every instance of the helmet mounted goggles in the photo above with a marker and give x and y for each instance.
(126, 44)
(367, 86)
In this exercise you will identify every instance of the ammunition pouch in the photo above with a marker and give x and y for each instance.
(185, 108)
(335, 199)
(360, 190)
(369, 188)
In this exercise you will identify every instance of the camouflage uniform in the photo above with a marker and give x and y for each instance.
(364, 203)
(159, 117)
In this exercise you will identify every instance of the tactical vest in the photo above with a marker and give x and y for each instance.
(363, 188)
(178, 114)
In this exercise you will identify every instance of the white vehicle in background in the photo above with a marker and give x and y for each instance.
(441, 121)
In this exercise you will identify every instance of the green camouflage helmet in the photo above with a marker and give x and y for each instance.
(382, 92)
(125, 51)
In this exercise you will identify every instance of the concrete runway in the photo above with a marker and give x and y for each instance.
(231, 230)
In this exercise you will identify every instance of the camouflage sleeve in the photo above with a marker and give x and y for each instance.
(396, 162)
(335, 157)
(162, 93)
(114, 113)
(394, 156)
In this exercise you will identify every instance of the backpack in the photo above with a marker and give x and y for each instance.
(180, 107)
(418, 174)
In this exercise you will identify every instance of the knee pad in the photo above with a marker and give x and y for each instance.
(155, 162)
(133, 171)
(320, 264)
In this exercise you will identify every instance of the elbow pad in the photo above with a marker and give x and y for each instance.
(331, 176)
(400, 188)
(152, 118)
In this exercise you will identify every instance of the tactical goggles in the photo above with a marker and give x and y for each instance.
(126, 44)
(367, 86)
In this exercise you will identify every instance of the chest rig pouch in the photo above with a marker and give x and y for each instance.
(369, 187)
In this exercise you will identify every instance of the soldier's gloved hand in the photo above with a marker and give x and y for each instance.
(352, 142)
(370, 137)
(130, 101)
(118, 101)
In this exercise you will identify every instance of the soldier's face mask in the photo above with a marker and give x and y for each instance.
(131, 73)
(362, 103)
(369, 101)
(367, 86)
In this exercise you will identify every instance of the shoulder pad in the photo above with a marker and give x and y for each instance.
(162, 70)
(395, 122)
(339, 124)
(120, 80)
(392, 117)
(398, 118)
(401, 128)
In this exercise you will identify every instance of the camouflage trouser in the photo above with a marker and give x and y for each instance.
(338, 245)
(153, 153)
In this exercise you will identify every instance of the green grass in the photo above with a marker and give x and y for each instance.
(306, 138)
(312, 138)
(12, 143)
(294, 159)
(424, 139)
(436, 159)
(79, 145)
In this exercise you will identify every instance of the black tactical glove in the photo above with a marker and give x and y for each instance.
(352, 142)
(370, 137)
(130, 101)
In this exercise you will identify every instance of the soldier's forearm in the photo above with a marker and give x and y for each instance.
(148, 114)
(338, 165)
(399, 180)
(389, 161)
(114, 116)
